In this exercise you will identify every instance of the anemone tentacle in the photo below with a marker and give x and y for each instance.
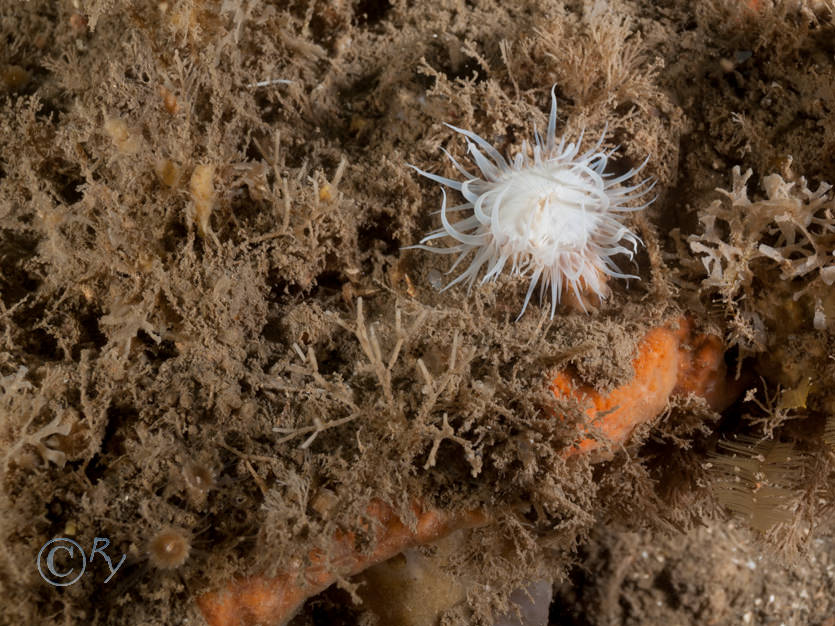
(556, 216)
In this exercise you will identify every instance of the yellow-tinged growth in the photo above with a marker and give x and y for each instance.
(203, 196)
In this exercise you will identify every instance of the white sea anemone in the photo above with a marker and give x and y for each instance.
(556, 217)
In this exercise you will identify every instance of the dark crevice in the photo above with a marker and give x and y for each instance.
(112, 444)
(371, 12)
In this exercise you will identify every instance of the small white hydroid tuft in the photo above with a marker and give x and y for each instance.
(555, 218)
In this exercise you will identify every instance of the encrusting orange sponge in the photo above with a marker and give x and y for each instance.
(671, 361)
(273, 601)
